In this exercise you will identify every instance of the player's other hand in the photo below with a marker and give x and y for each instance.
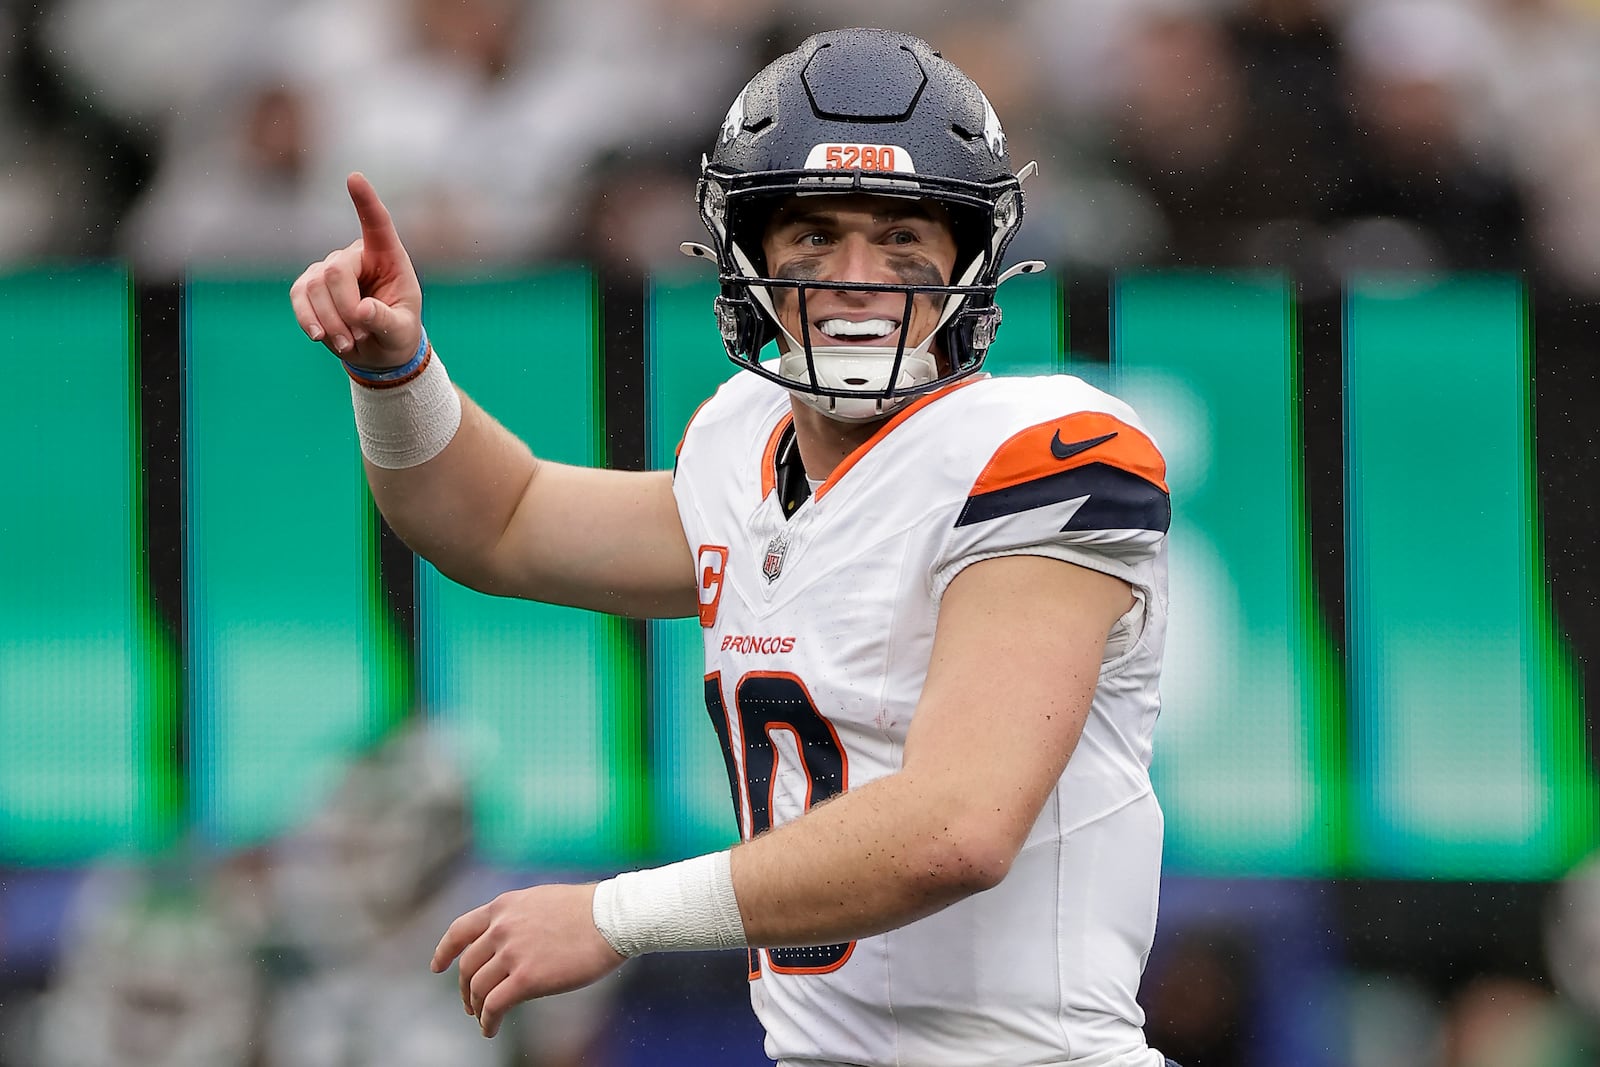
(363, 302)
(525, 944)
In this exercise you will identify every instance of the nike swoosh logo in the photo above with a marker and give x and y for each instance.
(1066, 450)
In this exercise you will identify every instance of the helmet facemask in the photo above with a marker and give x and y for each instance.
(853, 382)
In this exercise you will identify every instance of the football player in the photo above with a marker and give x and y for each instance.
(933, 601)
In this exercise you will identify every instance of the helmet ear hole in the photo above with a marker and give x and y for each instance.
(971, 233)
(748, 217)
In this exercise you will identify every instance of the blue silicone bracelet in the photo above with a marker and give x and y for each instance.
(367, 374)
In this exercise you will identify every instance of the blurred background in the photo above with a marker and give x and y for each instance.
(1343, 255)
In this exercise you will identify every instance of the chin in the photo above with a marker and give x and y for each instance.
(851, 410)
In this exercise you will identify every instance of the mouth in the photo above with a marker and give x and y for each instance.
(862, 332)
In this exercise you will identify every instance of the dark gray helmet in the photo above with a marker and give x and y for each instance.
(860, 111)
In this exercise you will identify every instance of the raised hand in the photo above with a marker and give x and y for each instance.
(363, 302)
(525, 944)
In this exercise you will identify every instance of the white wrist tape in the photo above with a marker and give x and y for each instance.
(405, 425)
(682, 906)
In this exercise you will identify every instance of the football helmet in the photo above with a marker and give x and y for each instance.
(860, 111)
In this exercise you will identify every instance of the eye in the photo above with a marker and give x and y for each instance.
(903, 237)
(814, 239)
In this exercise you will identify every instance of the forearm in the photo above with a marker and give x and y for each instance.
(467, 495)
(455, 509)
(1007, 694)
(869, 860)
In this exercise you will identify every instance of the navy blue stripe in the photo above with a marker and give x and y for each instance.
(1117, 500)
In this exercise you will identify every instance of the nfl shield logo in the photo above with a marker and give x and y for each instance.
(772, 565)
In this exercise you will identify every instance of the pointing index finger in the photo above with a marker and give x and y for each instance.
(378, 234)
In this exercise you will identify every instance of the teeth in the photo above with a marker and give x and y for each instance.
(869, 328)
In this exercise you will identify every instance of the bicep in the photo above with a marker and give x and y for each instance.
(602, 539)
(1015, 663)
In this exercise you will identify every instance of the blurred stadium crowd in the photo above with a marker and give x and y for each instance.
(309, 950)
(1325, 136)
(1322, 135)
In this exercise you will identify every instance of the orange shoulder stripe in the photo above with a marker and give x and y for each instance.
(1074, 441)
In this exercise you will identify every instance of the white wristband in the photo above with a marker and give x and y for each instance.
(406, 425)
(682, 906)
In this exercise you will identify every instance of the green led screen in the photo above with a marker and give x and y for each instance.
(1244, 751)
(685, 363)
(1469, 748)
(1030, 338)
(544, 699)
(86, 678)
(294, 667)
(1443, 736)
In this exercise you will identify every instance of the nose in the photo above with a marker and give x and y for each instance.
(856, 258)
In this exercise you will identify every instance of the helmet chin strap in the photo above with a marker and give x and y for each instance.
(916, 365)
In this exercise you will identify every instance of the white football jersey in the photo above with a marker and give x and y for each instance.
(818, 631)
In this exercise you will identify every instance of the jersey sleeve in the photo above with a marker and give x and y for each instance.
(1088, 488)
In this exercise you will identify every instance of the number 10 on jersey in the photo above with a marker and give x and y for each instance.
(769, 704)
